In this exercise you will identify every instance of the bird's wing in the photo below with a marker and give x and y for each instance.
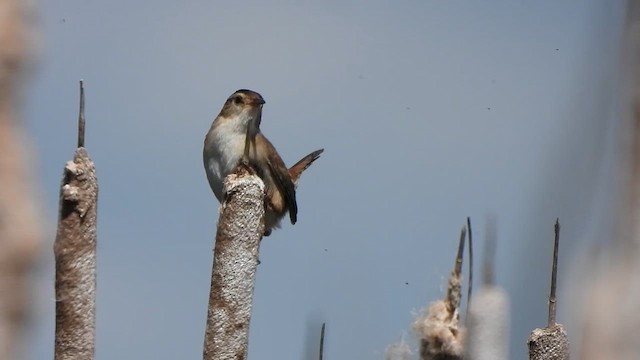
(281, 178)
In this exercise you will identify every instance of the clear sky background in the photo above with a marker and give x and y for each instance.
(429, 111)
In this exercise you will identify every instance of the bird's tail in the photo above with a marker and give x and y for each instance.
(297, 169)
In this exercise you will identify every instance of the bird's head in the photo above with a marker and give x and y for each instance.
(243, 106)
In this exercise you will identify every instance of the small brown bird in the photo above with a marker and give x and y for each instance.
(234, 135)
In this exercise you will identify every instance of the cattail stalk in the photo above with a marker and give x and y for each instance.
(552, 341)
(20, 227)
(240, 230)
(75, 253)
(438, 328)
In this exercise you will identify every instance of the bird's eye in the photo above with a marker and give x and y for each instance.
(238, 100)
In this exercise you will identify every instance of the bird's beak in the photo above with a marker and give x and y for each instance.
(258, 102)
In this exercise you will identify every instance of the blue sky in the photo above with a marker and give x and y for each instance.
(429, 111)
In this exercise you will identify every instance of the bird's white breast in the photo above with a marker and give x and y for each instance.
(224, 147)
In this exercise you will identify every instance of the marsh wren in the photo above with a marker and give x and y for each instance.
(235, 135)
